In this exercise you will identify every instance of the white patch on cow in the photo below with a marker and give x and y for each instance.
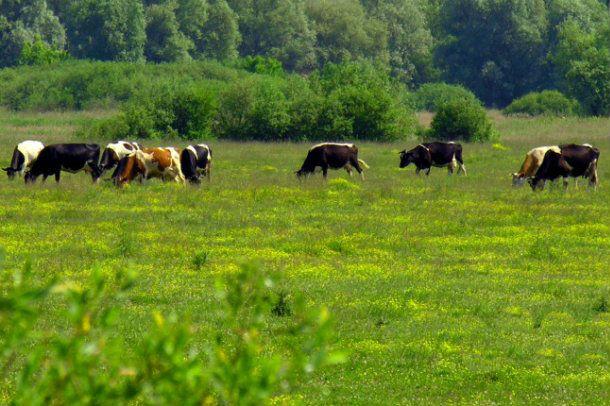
(332, 143)
(121, 150)
(424, 147)
(587, 145)
(205, 146)
(30, 151)
(193, 150)
(175, 170)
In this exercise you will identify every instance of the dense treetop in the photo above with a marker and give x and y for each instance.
(499, 49)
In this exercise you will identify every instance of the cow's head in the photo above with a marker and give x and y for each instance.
(10, 172)
(194, 180)
(518, 179)
(109, 159)
(536, 183)
(29, 177)
(406, 158)
(128, 169)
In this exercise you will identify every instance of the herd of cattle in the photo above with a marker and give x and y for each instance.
(129, 161)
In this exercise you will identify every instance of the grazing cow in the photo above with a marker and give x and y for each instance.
(196, 161)
(533, 160)
(24, 156)
(116, 151)
(572, 161)
(65, 157)
(334, 156)
(439, 154)
(163, 163)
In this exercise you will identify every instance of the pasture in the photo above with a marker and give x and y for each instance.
(443, 289)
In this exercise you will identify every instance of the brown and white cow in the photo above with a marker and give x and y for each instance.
(572, 161)
(116, 151)
(162, 163)
(533, 160)
(333, 156)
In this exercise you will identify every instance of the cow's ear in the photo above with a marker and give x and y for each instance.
(5, 169)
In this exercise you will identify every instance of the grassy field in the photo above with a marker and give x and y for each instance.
(443, 289)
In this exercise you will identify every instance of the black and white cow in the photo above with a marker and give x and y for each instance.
(24, 156)
(65, 157)
(439, 154)
(116, 151)
(333, 156)
(572, 161)
(196, 161)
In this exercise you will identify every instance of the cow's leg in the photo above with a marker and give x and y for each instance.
(428, 171)
(57, 176)
(354, 162)
(349, 171)
(417, 171)
(44, 178)
(565, 183)
(450, 168)
(593, 179)
(325, 172)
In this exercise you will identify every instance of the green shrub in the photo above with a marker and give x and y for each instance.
(85, 361)
(253, 109)
(459, 120)
(546, 103)
(39, 52)
(186, 112)
(261, 64)
(76, 85)
(430, 96)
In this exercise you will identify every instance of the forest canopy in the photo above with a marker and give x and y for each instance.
(499, 49)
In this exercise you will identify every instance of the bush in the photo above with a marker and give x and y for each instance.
(431, 96)
(185, 112)
(459, 120)
(84, 361)
(202, 99)
(546, 103)
(76, 85)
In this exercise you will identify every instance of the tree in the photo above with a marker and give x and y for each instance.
(583, 62)
(278, 29)
(165, 42)
(106, 29)
(494, 47)
(409, 38)
(221, 32)
(343, 32)
(22, 22)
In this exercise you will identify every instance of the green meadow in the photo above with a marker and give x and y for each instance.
(442, 289)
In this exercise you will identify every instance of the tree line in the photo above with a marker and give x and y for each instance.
(500, 49)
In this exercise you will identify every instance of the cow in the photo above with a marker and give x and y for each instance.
(163, 163)
(533, 160)
(116, 151)
(196, 161)
(24, 155)
(439, 154)
(572, 161)
(334, 156)
(53, 159)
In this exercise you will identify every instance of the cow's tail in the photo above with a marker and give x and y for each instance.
(363, 164)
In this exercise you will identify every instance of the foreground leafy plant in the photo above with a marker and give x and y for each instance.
(87, 363)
